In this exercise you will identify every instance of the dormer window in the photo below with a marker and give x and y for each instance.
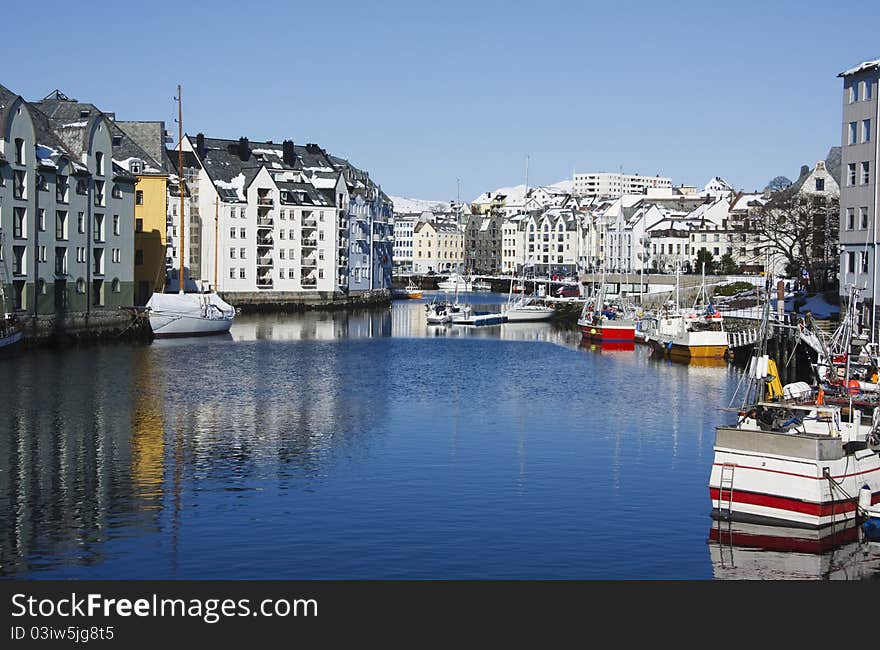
(136, 167)
(117, 140)
(84, 112)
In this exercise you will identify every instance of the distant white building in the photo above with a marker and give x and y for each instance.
(610, 184)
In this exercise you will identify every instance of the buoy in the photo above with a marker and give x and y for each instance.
(864, 498)
(853, 387)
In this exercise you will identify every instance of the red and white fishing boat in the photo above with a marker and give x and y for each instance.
(790, 459)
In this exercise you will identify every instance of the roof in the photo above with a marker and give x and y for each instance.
(862, 67)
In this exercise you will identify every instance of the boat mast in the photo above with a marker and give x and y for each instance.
(216, 236)
(180, 185)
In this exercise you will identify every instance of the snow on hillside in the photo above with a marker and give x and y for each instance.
(515, 194)
(403, 205)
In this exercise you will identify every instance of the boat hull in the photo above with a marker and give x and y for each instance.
(176, 325)
(609, 331)
(526, 314)
(9, 341)
(779, 479)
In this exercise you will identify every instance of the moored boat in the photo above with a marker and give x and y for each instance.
(189, 314)
(456, 282)
(791, 459)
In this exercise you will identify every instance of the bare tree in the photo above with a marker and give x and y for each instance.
(801, 228)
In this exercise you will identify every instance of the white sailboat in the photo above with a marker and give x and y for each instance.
(456, 282)
(524, 308)
(181, 313)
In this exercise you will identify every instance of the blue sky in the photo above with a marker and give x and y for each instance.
(423, 94)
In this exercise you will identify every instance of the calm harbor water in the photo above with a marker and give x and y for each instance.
(368, 445)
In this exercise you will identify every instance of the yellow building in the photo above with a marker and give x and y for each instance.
(139, 148)
(437, 247)
(150, 214)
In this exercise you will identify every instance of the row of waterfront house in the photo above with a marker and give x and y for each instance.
(90, 216)
(629, 223)
(558, 231)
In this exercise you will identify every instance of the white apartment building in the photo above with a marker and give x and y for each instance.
(610, 184)
(275, 230)
(403, 242)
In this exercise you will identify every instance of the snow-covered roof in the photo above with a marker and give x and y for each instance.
(866, 65)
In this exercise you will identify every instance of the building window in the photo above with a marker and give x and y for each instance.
(61, 189)
(242, 233)
(866, 93)
(99, 193)
(19, 151)
(138, 257)
(19, 223)
(42, 253)
(866, 130)
(115, 224)
(232, 233)
(231, 274)
(241, 274)
(863, 214)
(115, 255)
(864, 256)
(241, 214)
(80, 286)
(19, 190)
(281, 254)
(80, 254)
(232, 253)
(116, 192)
(232, 213)
(60, 260)
(851, 174)
(82, 186)
(98, 293)
(853, 92)
(139, 197)
(99, 228)
(41, 219)
(80, 222)
(138, 225)
(115, 286)
(866, 173)
(820, 184)
(41, 286)
(851, 262)
(99, 162)
(853, 132)
(281, 234)
(242, 253)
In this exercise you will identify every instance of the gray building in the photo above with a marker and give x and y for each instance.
(66, 210)
(860, 158)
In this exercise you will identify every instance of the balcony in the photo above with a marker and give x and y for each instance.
(266, 260)
(264, 282)
(309, 260)
(265, 242)
(265, 221)
(309, 282)
(265, 200)
(310, 243)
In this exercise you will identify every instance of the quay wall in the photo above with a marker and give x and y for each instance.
(76, 327)
(298, 301)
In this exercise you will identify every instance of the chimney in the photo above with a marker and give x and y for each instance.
(805, 169)
(244, 151)
(288, 155)
(200, 145)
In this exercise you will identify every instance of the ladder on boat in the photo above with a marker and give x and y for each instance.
(726, 482)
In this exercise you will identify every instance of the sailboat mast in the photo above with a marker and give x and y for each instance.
(180, 184)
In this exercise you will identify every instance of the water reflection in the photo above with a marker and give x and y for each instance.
(344, 444)
(742, 551)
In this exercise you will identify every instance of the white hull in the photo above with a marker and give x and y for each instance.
(529, 313)
(189, 314)
(455, 286)
(780, 478)
(181, 325)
